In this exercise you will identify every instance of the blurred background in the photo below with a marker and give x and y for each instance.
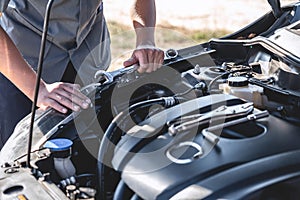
(182, 23)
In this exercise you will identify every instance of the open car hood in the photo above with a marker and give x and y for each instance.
(220, 120)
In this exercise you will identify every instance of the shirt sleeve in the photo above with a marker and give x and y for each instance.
(3, 5)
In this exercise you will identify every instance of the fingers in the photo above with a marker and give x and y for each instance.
(73, 93)
(142, 58)
(62, 96)
(149, 59)
(156, 57)
(55, 105)
(130, 61)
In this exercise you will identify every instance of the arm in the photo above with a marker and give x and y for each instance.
(143, 14)
(57, 95)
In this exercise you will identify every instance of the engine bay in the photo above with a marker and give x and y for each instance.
(218, 120)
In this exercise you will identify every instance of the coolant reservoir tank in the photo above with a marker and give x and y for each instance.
(60, 149)
(240, 87)
(237, 82)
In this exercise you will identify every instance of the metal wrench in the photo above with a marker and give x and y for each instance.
(213, 138)
(192, 121)
(109, 77)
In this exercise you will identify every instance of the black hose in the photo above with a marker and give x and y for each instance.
(122, 191)
(111, 138)
(135, 197)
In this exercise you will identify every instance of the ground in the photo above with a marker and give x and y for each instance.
(196, 14)
(182, 23)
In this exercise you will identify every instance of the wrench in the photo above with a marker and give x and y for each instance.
(192, 121)
(213, 138)
(109, 77)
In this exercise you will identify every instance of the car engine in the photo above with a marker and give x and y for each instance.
(219, 120)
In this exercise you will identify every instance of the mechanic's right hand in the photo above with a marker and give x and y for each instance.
(62, 96)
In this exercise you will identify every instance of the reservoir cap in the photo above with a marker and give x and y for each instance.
(238, 81)
(59, 144)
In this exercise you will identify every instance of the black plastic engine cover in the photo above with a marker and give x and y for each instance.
(149, 172)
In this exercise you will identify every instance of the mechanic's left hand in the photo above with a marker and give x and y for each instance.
(149, 59)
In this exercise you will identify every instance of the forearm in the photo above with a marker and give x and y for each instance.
(14, 67)
(59, 96)
(146, 55)
(143, 16)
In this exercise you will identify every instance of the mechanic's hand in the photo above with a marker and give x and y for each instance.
(61, 97)
(149, 59)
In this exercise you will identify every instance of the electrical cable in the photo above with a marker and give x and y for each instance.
(213, 81)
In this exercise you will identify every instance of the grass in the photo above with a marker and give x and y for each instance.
(167, 36)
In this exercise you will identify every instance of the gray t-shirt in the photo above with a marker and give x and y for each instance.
(77, 33)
